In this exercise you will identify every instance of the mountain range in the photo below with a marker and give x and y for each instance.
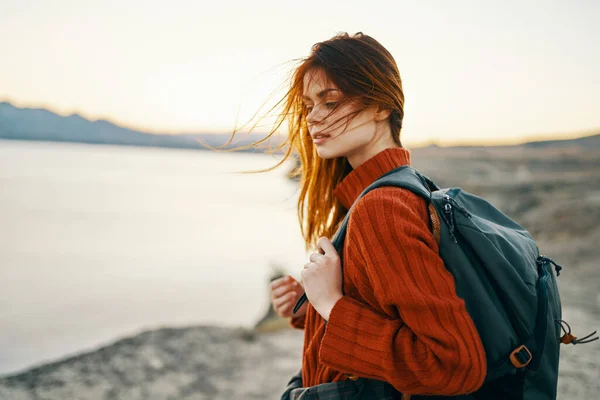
(41, 124)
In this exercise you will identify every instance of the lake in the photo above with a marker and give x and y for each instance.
(98, 242)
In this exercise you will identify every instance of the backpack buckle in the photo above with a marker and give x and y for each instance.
(520, 357)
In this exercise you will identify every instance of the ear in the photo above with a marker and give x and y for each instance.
(382, 114)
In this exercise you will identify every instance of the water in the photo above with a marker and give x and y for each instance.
(98, 242)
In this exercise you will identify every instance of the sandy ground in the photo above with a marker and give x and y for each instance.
(554, 193)
(188, 363)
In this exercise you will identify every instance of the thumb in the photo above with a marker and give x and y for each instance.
(325, 246)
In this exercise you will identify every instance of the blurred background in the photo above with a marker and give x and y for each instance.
(134, 262)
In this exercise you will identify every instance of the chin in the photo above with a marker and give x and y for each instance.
(327, 154)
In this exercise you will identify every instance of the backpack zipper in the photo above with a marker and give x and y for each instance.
(448, 210)
(449, 205)
(456, 205)
(543, 260)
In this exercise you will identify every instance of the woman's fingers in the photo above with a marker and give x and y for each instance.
(284, 281)
(286, 310)
(284, 293)
(281, 281)
(282, 285)
(284, 306)
(325, 244)
(315, 257)
(289, 297)
(282, 290)
(310, 265)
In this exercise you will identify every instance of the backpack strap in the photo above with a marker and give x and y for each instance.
(409, 178)
(404, 177)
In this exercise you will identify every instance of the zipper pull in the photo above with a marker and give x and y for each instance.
(544, 260)
(450, 218)
(461, 208)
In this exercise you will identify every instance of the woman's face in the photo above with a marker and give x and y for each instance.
(327, 126)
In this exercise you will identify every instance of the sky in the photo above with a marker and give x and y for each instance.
(485, 72)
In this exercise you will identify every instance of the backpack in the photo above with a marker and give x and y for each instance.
(508, 287)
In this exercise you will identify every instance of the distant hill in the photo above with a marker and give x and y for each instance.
(41, 124)
(590, 142)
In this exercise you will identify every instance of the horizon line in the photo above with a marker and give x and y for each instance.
(539, 137)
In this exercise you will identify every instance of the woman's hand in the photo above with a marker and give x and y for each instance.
(322, 278)
(285, 292)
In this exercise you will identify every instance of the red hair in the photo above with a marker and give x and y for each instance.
(362, 69)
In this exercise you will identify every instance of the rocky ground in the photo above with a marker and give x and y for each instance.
(553, 192)
(196, 363)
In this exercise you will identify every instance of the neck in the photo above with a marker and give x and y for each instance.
(382, 140)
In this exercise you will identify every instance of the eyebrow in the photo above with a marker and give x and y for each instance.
(321, 93)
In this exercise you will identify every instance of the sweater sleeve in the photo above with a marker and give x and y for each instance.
(422, 340)
(298, 322)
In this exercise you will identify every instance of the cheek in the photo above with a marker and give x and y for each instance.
(363, 122)
(359, 133)
(340, 123)
(345, 144)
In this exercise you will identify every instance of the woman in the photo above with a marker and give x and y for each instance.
(398, 318)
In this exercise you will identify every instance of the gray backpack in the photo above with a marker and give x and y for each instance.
(509, 289)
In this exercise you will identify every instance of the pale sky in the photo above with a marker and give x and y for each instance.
(473, 71)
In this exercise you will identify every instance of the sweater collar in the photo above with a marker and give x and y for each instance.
(358, 179)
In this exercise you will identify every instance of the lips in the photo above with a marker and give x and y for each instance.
(319, 138)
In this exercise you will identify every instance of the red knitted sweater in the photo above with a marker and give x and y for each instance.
(400, 319)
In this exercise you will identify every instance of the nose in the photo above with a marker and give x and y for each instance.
(314, 116)
(310, 117)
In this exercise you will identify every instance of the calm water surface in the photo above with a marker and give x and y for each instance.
(98, 242)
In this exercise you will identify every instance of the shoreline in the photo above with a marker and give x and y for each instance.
(212, 362)
(224, 362)
(553, 193)
(192, 362)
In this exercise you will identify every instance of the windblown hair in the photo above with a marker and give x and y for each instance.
(364, 71)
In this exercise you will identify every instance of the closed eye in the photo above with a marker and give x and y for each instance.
(330, 105)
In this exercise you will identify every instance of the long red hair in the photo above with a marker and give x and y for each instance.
(363, 70)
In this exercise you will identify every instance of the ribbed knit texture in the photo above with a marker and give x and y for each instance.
(400, 319)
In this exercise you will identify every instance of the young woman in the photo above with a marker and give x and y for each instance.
(398, 318)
